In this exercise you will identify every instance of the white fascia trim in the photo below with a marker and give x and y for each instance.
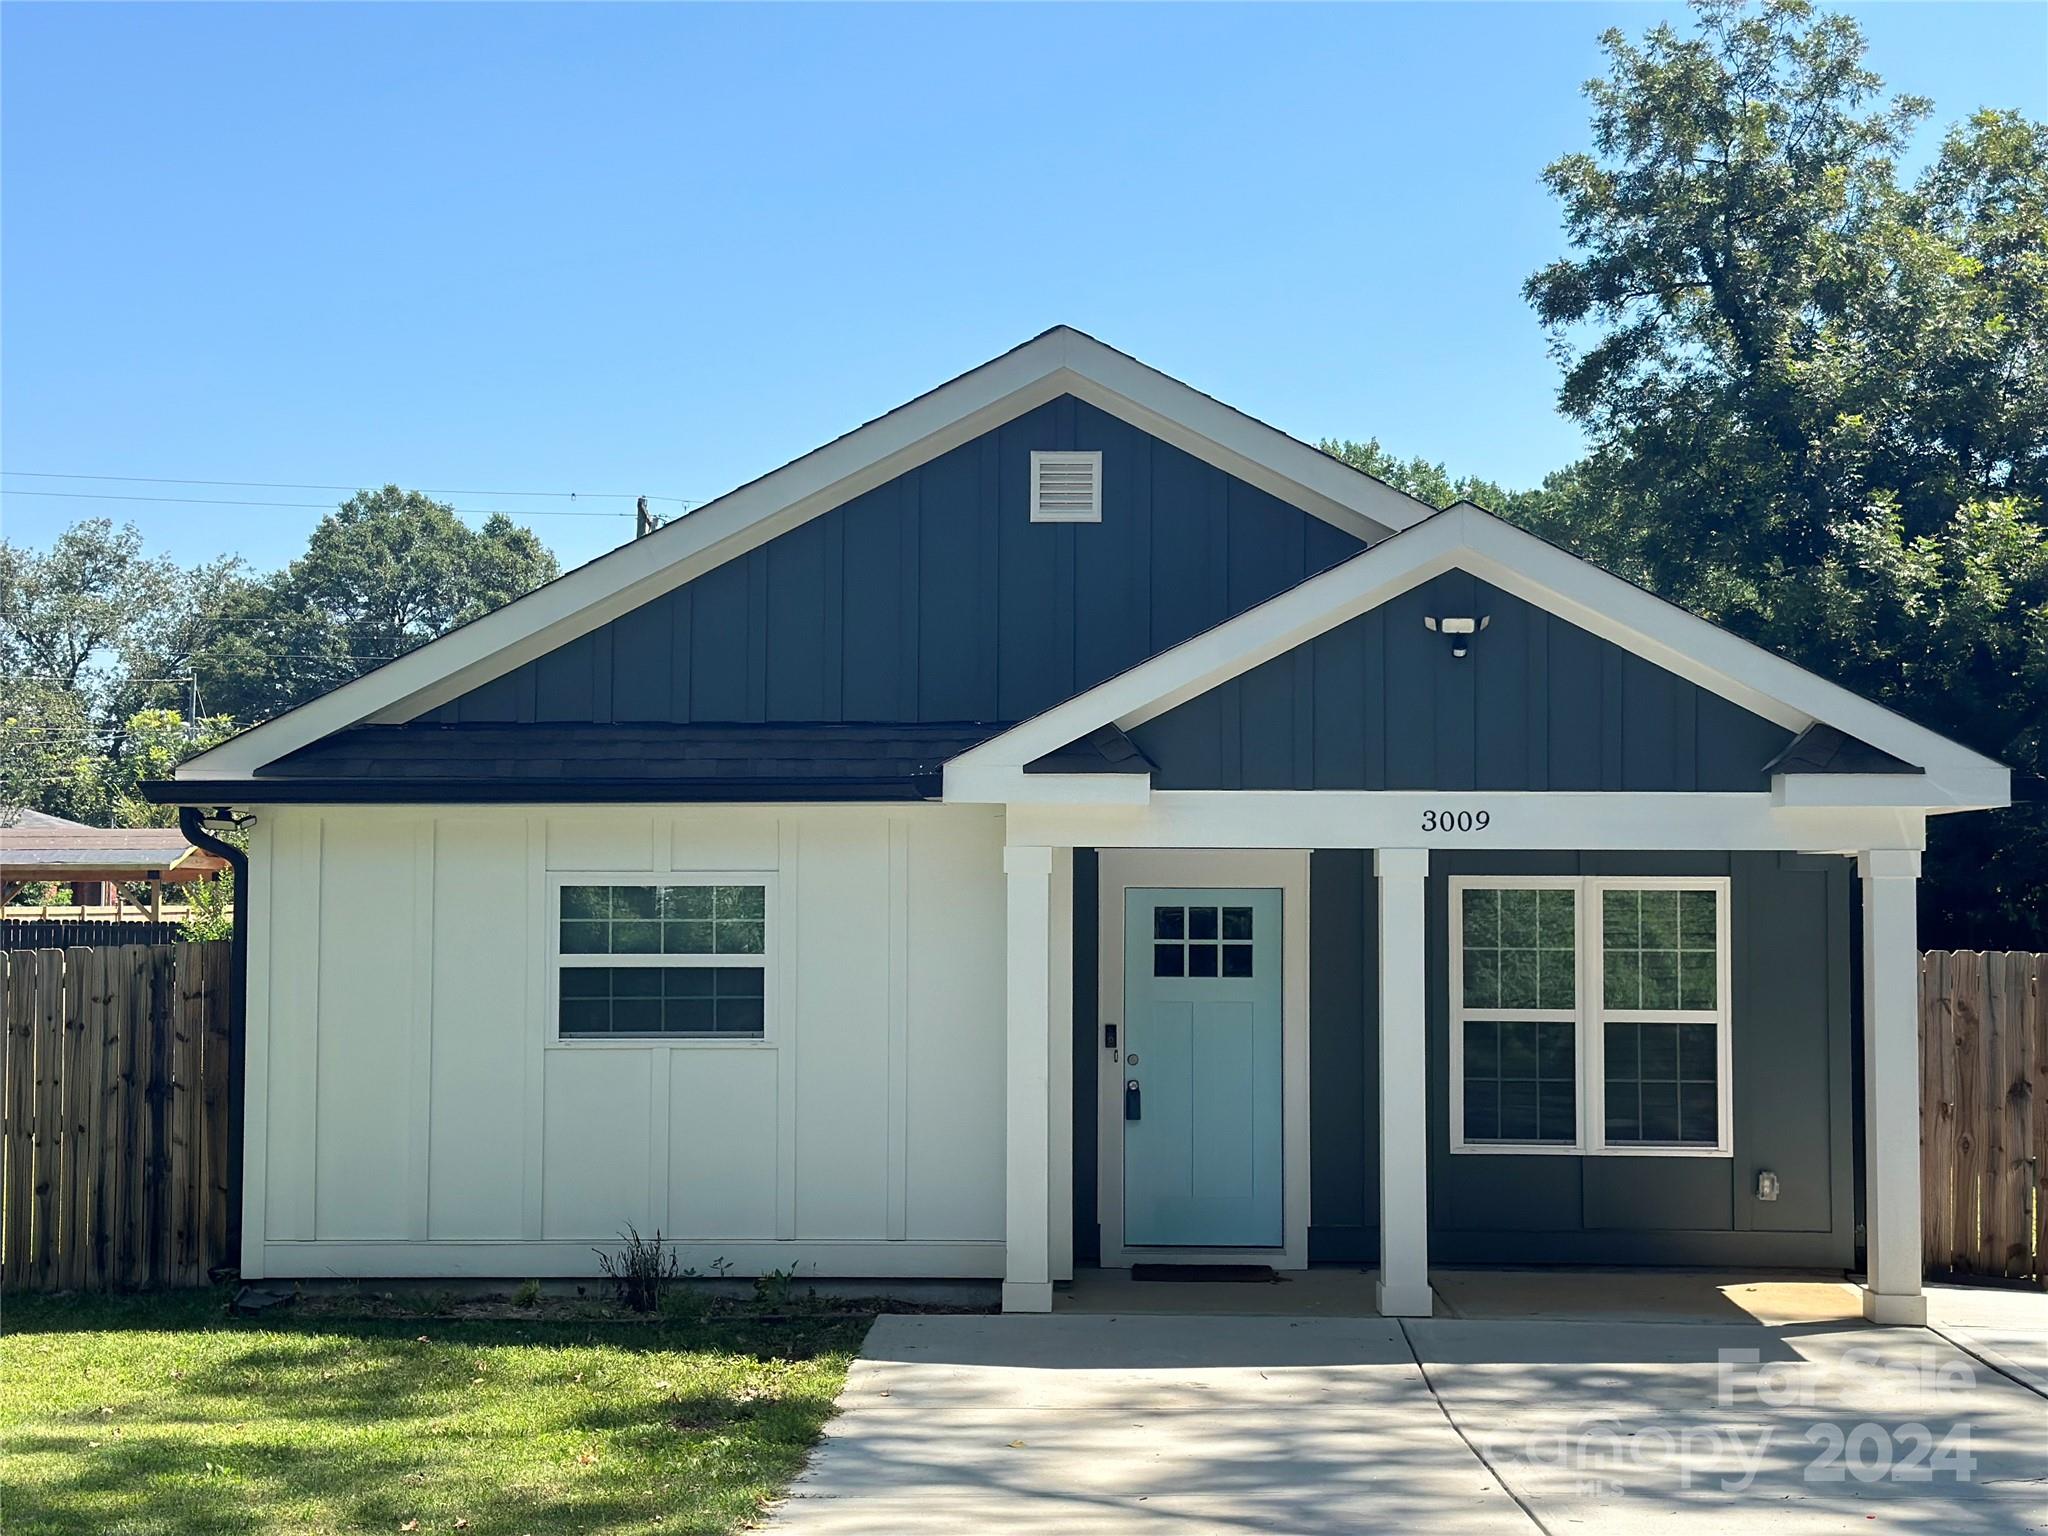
(1062, 361)
(1235, 443)
(1001, 785)
(1468, 538)
(1519, 819)
(1942, 789)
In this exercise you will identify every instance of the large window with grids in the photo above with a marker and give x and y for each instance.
(1589, 1015)
(676, 957)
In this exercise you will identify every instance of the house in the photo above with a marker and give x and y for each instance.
(1066, 821)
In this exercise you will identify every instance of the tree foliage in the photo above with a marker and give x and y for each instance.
(1817, 393)
(99, 640)
(388, 571)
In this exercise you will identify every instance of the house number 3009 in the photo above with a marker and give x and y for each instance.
(1455, 821)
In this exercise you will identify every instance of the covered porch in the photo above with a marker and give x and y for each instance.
(1369, 1170)
(1570, 929)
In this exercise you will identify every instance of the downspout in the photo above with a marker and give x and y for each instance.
(192, 822)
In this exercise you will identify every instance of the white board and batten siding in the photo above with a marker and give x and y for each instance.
(412, 1113)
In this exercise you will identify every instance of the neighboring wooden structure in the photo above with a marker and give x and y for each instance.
(1984, 1112)
(40, 847)
(114, 1116)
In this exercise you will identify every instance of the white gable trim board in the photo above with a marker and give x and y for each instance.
(1468, 538)
(1060, 362)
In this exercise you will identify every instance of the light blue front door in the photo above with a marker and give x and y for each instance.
(1202, 1066)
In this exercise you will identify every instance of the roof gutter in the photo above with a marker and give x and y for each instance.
(192, 822)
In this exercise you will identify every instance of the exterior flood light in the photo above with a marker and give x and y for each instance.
(1459, 630)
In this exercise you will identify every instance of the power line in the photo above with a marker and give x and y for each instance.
(302, 485)
(310, 506)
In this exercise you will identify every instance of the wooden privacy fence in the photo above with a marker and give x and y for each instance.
(114, 1116)
(1984, 1112)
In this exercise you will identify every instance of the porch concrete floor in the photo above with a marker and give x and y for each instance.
(1078, 1423)
(1605, 1295)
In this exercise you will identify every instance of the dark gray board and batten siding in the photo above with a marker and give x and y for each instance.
(1790, 971)
(935, 597)
(1379, 702)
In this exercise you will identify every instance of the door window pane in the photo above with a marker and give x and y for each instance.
(1186, 942)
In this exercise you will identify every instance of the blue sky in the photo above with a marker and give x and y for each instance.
(664, 248)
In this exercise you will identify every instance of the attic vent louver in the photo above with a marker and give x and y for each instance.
(1066, 487)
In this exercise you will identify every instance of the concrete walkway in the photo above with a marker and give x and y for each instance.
(1178, 1423)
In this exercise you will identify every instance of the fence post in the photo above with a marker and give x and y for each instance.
(49, 1025)
(87, 979)
(157, 1196)
(2037, 1096)
(71, 1192)
(14, 1120)
(185, 1026)
(1937, 1112)
(216, 1073)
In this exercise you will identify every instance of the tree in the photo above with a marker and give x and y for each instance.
(1818, 398)
(97, 638)
(67, 613)
(1556, 509)
(393, 569)
(388, 571)
(45, 731)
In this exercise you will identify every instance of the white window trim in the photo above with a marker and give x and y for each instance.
(1040, 514)
(1591, 1015)
(767, 962)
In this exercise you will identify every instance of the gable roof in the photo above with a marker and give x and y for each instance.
(1061, 361)
(1932, 771)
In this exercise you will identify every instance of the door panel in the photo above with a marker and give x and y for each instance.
(1203, 1042)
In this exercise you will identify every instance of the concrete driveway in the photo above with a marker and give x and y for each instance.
(1179, 1423)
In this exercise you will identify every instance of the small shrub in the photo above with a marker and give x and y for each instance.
(640, 1271)
(528, 1294)
(774, 1289)
(426, 1303)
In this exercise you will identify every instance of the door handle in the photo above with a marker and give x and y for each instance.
(1133, 1107)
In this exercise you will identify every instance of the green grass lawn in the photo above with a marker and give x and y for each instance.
(164, 1414)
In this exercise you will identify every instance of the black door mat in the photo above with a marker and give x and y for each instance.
(1248, 1274)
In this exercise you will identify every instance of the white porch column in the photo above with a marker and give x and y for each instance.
(1891, 1086)
(1404, 1084)
(1027, 1210)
